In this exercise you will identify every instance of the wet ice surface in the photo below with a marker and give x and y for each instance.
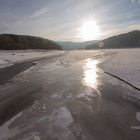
(5, 131)
(60, 83)
(70, 103)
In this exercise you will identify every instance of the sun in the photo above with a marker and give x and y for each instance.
(89, 30)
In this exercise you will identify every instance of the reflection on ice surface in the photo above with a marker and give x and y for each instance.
(89, 81)
(90, 73)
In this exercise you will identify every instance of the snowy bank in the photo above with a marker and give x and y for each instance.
(8, 58)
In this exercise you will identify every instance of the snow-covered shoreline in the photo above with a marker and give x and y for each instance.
(8, 58)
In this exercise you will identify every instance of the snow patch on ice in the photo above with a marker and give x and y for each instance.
(124, 64)
(62, 117)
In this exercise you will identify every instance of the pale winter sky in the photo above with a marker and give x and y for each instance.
(69, 20)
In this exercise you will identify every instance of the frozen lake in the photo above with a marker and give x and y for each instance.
(80, 94)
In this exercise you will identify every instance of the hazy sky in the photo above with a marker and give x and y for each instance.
(63, 19)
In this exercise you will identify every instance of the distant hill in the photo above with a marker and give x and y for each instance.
(127, 40)
(75, 45)
(14, 42)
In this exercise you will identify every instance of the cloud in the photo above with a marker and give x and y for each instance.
(3, 27)
(136, 1)
(39, 12)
